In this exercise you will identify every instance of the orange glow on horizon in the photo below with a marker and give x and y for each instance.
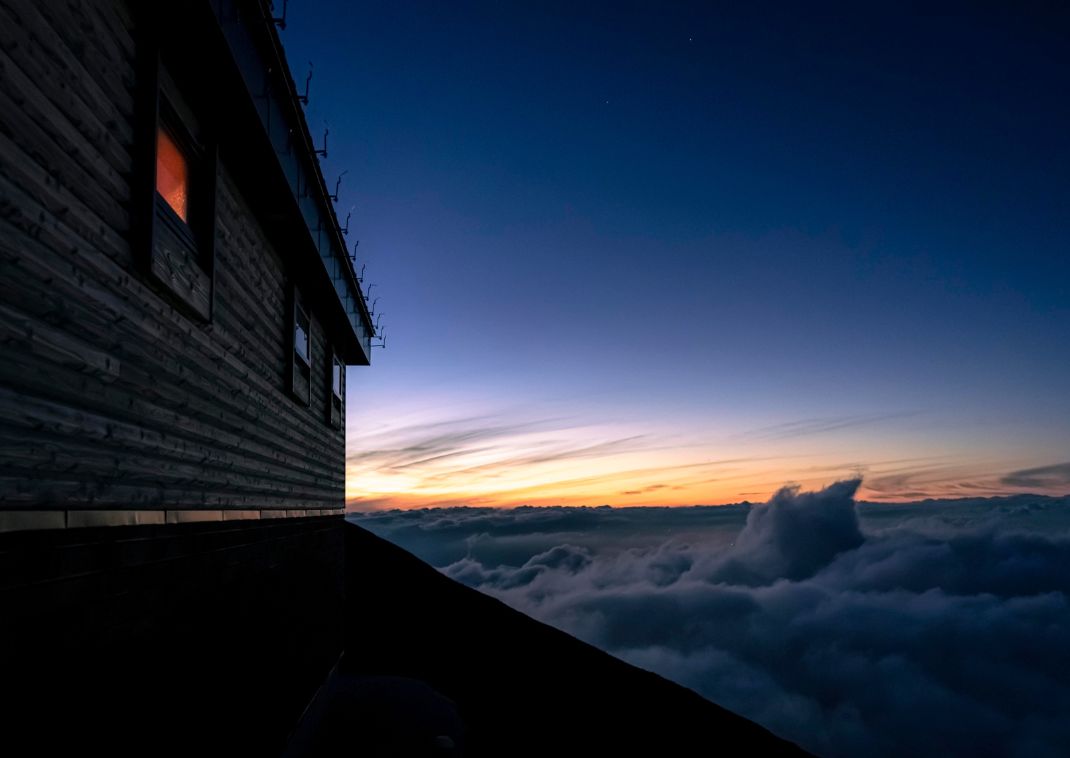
(423, 462)
(614, 482)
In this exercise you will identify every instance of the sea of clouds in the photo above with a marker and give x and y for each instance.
(930, 628)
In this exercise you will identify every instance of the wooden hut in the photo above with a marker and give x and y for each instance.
(178, 309)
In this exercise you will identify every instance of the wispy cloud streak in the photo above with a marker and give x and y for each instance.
(1041, 477)
(815, 426)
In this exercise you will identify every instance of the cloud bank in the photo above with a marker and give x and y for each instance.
(927, 628)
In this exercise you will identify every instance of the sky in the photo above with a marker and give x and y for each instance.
(672, 254)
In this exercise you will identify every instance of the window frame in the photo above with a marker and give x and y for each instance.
(300, 374)
(336, 401)
(178, 255)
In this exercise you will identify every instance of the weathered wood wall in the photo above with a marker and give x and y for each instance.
(111, 397)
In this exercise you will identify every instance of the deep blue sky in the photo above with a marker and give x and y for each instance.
(618, 239)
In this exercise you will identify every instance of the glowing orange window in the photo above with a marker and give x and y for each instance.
(172, 174)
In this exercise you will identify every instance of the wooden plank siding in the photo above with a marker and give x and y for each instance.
(111, 395)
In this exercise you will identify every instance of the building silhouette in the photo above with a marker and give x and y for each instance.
(178, 310)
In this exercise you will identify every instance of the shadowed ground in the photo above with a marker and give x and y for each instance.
(517, 686)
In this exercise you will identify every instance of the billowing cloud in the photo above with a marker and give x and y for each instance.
(935, 628)
(793, 536)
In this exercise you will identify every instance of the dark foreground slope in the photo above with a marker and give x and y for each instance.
(186, 639)
(520, 687)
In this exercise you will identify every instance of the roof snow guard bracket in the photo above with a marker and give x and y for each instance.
(253, 40)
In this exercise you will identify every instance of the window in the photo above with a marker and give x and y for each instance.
(336, 392)
(302, 348)
(180, 217)
(301, 352)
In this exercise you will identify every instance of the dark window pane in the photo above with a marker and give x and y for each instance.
(301, 341)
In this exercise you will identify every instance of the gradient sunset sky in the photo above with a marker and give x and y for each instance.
(634, 255)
